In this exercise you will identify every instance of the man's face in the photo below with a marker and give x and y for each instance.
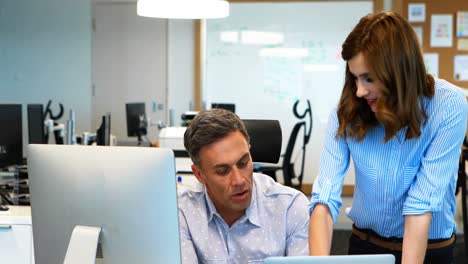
(226, 170)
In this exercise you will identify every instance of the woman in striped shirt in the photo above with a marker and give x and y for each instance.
(403, 130)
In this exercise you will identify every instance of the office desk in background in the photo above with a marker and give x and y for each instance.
(16, 241)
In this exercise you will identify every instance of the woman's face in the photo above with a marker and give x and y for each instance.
(367, 85)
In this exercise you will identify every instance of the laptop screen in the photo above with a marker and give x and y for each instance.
(351, 259)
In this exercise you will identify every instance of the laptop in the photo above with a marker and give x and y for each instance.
(348, 259)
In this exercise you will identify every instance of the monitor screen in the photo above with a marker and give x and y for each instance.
(11, 135)
(36, 124)
(103, 132)
(129, 192)
(136, 119)
(230, 107)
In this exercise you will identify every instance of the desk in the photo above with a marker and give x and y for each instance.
(16, 242)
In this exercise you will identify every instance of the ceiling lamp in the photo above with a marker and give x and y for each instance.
(188, 9)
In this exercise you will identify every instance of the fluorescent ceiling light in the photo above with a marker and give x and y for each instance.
(188, 9)
(321, 67)
(261, 37)
(284, 52)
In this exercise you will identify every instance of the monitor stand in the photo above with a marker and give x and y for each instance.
(83, 245)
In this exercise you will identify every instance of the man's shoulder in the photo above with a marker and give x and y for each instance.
(276, 200)
(268, 188)
(190, 194)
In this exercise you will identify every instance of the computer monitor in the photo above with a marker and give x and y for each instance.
(230, 107)
(11, 135)
(136, 120)
(129, 192)
(103, 132)
(36, 124)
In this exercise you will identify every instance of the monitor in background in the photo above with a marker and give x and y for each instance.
(103, 132)
(136, 120)
(11, 135)
(129, 192)
(36, 124)
(230, 107)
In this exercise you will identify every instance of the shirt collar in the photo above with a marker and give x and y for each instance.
(252, 213)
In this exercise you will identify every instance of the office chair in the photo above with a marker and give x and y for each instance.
(288, 163)
(265, 140)
(58, 129)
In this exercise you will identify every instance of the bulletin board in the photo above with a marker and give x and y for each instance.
(446, 54)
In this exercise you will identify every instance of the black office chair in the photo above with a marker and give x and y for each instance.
(288, 164)
(265, 139)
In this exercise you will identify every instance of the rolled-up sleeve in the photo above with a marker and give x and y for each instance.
(334, 163)
(440, 161)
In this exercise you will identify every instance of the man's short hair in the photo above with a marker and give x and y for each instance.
(208, 127)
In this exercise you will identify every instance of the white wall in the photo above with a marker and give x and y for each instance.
(130, 56)
(181, 67)
(45, 52)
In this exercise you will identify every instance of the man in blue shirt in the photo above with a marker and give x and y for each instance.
(237, 216)
(403, 130)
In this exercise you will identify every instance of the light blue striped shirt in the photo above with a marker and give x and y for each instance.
(399, 177)
(275, 224)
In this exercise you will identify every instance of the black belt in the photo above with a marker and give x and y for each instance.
(397, 246)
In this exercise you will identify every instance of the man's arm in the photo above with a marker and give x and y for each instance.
(320, 231)
(415, 238)
(188, 254)
(297, 241)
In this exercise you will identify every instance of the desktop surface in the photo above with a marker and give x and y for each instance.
(19, 215)
(129, 192)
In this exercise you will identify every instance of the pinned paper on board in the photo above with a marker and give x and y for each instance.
(419, 32)
(441, 30)
(462, 44)
(460, 67)
(417, 12)
(462, 24)
(431, 61)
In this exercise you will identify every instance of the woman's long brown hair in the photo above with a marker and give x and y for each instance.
(393, 55)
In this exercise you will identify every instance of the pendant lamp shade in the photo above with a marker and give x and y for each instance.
(188, 9)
